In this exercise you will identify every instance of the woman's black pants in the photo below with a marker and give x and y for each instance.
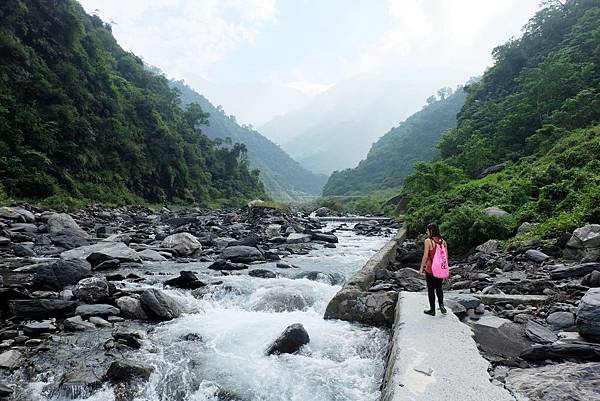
(434, 286)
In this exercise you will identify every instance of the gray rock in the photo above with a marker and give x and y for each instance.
(110, 250)
(371, 308)
(24, 249)
(151, 256)
(10, 359)
(92, 290)
(495, 212)
(283, 300)
(491, 170)
(468, 301)
(127, 370)
(560, 382)
(63, 223)
(184, 244)
(186, 280)
(98, 321)
(159, 305)
(585, 237)
(588, 315)
(273, 230)
(561, 320)
(539, 334)
(37, 328)
(80, 383)
(490, 246)
(559, 352)
(76, 323)
(17, 213)
(262, 273)
(285, 265)
(500, 339)
(96, 310)
(131, 308)
(55, 276)
(459, 310)
(100, 262)
(322, 277)
(578, 270)
(241, 253)
(227, 266)
(526, 227)
(297, 238)
(329, 238)
(536, 256)
(290, 341)
(592, 279)
(41, 308)
(323, 212)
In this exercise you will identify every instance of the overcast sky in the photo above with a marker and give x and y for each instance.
(307, 45)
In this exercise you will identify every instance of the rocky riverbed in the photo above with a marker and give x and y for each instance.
(87, 300)
(534, 310)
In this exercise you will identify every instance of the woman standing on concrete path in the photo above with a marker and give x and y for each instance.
(434, 284)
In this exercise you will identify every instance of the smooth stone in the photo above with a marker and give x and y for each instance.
(131, 308)
(561, 320)
(588, 315)
(159, 305)
(151, 256)
(241, 254)
(64, 223)
(539, 334)
(262, 273)
(297, 238)
(290, 341)
(184, 244)
(186, 280)
(36, 328)
(76, 323)
(559, 352)
(125, 370)
(41, 308)
(108, 250)
(96, 310)
(536, 256)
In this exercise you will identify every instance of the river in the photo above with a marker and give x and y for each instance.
(216, 350)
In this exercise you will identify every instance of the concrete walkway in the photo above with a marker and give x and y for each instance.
(435, 358)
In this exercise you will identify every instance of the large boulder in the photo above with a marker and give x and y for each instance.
(10, 359)
(241, 253)
(103, 251)
(57, 275)
(159, 305)
(536, 256)
(500, 339)
(186, 280)
(17, 214)
(184, 244)
(561, 320)
(96, 310)
(124, 370)
(41, 308)
(297, 238)
(151, 255)
(588, 315)
(559, 382)
(92, 290)
(538, 333)
(584, 243)
(131, 308)
(560, 352)
(490, 246)
(371, 308)
(592, 279)
(290, 341)
(319, 236)
(62, 223)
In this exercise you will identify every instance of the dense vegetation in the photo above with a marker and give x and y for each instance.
(393, 156)
(81, 117)
(536, 110)
(284, 178)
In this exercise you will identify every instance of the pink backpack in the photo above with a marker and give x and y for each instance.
(439, 265)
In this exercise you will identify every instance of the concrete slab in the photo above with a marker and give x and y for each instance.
(435, 358)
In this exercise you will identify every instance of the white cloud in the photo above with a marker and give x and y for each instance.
(183, 37)
(306, 87)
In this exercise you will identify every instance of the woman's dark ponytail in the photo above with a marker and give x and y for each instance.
(434, 230)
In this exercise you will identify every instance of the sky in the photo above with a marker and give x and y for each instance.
(262, 58)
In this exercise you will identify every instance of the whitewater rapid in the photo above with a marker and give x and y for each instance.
(216, 350)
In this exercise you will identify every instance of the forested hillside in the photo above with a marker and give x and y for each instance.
(536, 110)
(284, 178)
(81, 117)
(393, 156)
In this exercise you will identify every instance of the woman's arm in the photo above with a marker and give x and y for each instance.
(424, 258)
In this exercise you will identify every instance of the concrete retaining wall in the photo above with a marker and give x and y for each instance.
(355, 303)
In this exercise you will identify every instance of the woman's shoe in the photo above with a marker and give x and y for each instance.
(443, 309)
(430, 312)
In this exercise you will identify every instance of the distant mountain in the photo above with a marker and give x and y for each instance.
(393, 156)
(284, 178)
(336, 129)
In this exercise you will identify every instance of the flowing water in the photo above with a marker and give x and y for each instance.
(216, 350)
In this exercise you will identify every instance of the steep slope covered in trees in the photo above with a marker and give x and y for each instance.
(393, 156)
(537, 110)
(81, 117)
(284, 178)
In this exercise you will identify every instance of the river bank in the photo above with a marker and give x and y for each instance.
(117, 303)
